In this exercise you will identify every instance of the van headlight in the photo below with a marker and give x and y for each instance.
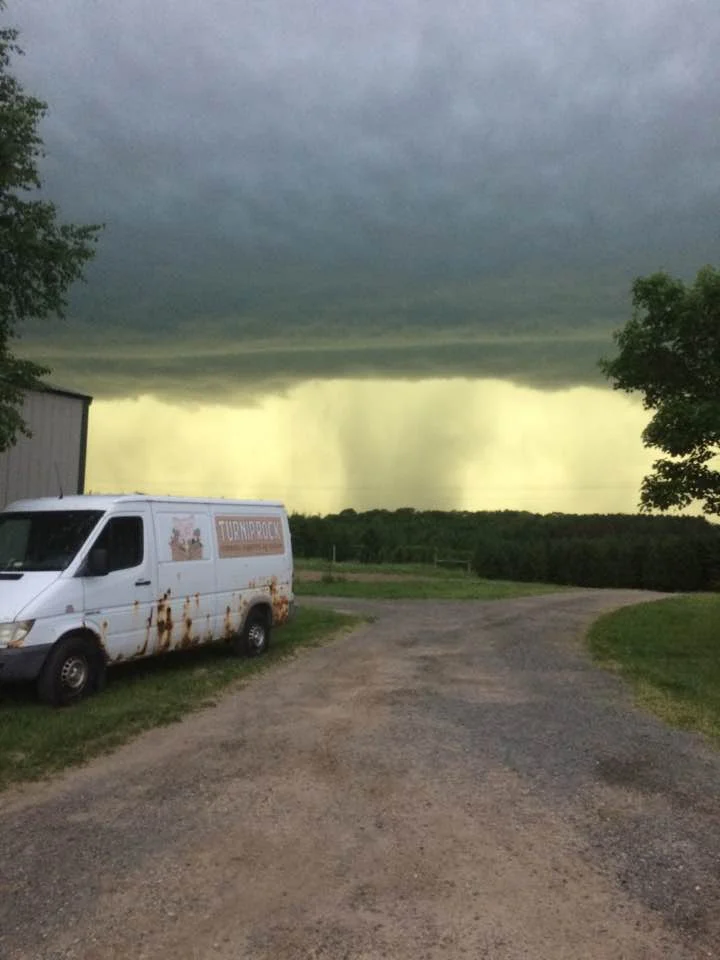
(13, 634)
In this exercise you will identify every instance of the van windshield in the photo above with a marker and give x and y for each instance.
(43, 540)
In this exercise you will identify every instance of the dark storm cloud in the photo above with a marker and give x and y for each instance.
(297, 169)
(228, 372)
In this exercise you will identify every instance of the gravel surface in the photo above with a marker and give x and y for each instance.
(454, 779)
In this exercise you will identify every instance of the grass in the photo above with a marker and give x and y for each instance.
(467, 588)
(37, 740)
(400, 569)
(669, 651)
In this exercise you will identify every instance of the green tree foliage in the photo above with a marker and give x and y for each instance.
(616, 550)
(39, 256)
(670, 352)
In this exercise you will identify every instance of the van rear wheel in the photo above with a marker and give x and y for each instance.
(255, 638)
(74, 669)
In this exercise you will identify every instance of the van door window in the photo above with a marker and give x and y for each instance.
(123, 540)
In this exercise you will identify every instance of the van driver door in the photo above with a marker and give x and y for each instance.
(119, 605)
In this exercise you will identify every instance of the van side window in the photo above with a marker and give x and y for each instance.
(123, 540)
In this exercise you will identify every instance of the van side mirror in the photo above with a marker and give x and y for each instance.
(97, 564)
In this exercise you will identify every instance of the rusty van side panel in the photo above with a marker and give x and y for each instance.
(186, 600)
(217, 561)
(254, 566)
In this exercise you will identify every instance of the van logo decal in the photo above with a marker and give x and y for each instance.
(249, 536)
(185, 539)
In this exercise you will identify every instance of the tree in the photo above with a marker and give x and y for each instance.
(669, 351)
(39, 256)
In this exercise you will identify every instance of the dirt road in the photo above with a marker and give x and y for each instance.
(452, 780)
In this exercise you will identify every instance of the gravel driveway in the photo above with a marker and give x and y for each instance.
(452, 780)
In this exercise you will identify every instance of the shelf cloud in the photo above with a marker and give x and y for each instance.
(318, 188)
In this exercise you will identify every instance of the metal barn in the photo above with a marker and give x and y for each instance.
(53, 459)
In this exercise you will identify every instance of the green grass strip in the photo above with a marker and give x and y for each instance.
(669, 650)
(443, 572)
(440, 589)
(38, 740)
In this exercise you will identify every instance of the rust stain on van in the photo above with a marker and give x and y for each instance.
(280, 602)
(164, 622)
(208, 629)
(197, 601)
(242, 614)
(186, 639)
(103, 638)
(148, 627)
(228, 627)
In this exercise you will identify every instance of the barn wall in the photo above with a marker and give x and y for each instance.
(57, 449)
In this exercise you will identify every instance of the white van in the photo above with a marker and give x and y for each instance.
(87, 581)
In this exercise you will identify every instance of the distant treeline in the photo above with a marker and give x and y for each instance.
(599, 550)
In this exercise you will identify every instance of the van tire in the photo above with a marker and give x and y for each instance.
(255, 637)
(74, 669)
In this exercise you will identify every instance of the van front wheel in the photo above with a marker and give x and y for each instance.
(255, 637)
(73, 670)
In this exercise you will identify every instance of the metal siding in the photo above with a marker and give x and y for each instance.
(32, 466)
